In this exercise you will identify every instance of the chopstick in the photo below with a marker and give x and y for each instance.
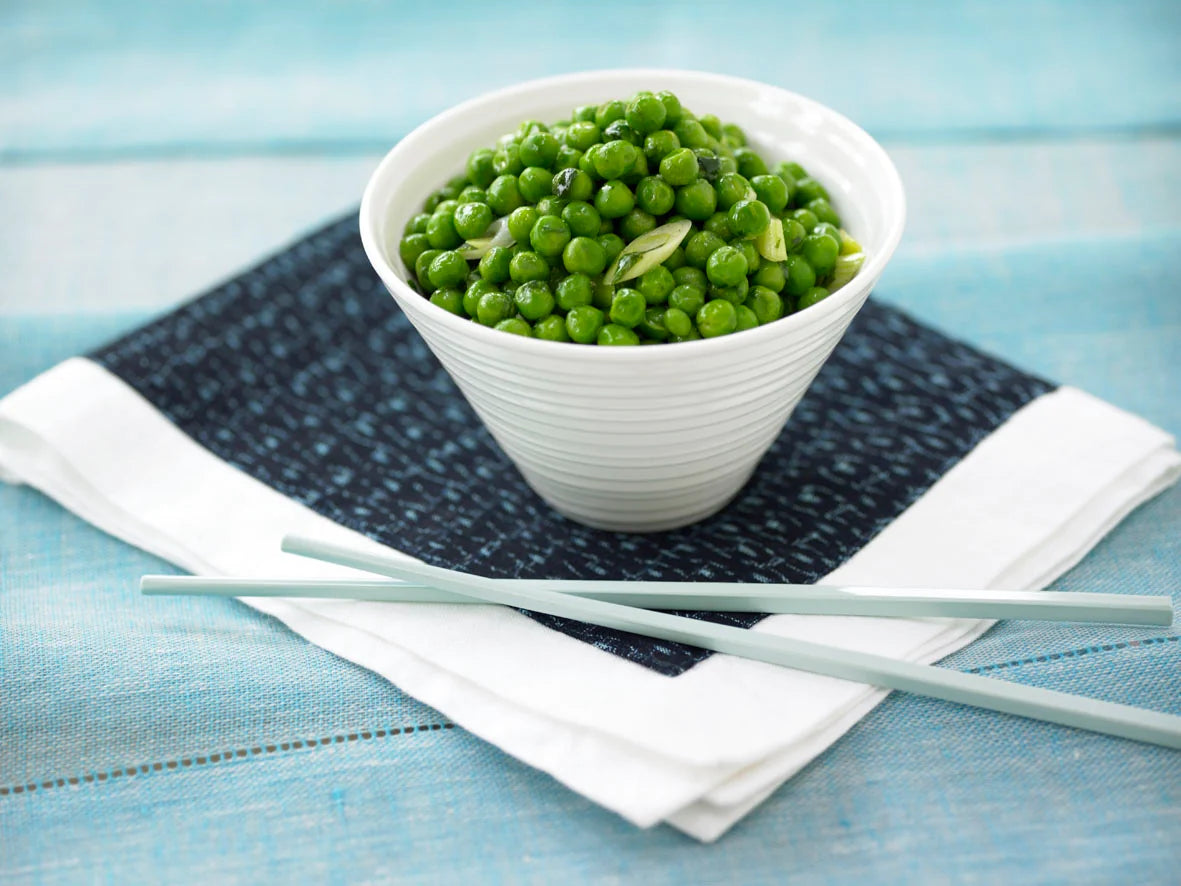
(720, 597)
(1080, 712)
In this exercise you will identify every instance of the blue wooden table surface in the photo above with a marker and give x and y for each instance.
(149, 150)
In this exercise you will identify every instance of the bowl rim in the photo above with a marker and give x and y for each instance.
(414, 303)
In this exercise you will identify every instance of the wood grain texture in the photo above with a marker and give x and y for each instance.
(111, 76)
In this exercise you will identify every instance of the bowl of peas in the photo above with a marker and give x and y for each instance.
(634, 275)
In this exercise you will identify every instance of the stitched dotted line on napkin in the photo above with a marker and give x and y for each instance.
(261, 750)
(1072, 653)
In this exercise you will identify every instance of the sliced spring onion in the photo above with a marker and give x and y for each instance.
(846, 269)
(647, 251)
(848, 244)
(496, 235)
(771, 244)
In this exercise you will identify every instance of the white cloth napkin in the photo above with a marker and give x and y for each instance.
(699, 750)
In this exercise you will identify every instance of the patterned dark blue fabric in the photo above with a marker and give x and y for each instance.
(303, 373)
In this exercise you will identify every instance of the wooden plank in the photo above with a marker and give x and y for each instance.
(116, 75)
(143, 235)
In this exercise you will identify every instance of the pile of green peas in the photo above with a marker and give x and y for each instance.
(566, 200)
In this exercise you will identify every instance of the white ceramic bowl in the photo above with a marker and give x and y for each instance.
(649, 438)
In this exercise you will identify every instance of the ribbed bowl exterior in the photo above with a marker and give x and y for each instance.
(651, 438)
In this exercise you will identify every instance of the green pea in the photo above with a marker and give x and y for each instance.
(603, 295)
(521, 221)
(472, 194)
(417, 224)
(586, 163)
(473, 294)
(784, 173)
(646, 113)
(549, 236)
(808, 189)
(515, 326)
(696, 201)
(793, 233)
(584, 220)
(606, 226)
(627, 307)
(422, 265)
(725, 266)
(771, 190)
(494, 264)
(655, 195)
(583, 255)
(655, 285)
(573, 184)
(567, 158)
(811, 297)
(582, 136)
(613, 159)
(479, 167)
(616, 334)
(447, 269)
(507, 160)
(660, 144)
(820, 251)
(829, 230)
(749, 163)
(672, 107)
(614, 200)
(551, 328)
(526, 266)
(609, 112)
(795, 170)
(448, 205)
(472, 219)
(747, 319)
(450, 300)
(688, 299)
(574, 291)
(699, 247)
(528, 127)
(494, 307)
(551, 205)
(639, 169)
(731, 188)
(726, 164)
(736, 294)
(584, 113)
(677, 322)
(535, 183)
(411, 247)
(621, 131)
(719, 223)
(717, 317)
(583, 324)
(822, 209)
(749, 218)
(534, 300)
(504, 194)
(765, 303)
(750, 253)
(769, 276)
(612, 245)
(440, 231)
(679, 168)
(539, 149)
(652, 326)
(733, 135)
(800, 276)
(676, 259)
(636, 223)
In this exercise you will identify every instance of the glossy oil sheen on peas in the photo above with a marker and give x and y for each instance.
(525, 240)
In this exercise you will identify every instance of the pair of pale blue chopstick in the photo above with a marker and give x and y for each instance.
(621, 605)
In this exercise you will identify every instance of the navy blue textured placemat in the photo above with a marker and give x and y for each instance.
(303, 373)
